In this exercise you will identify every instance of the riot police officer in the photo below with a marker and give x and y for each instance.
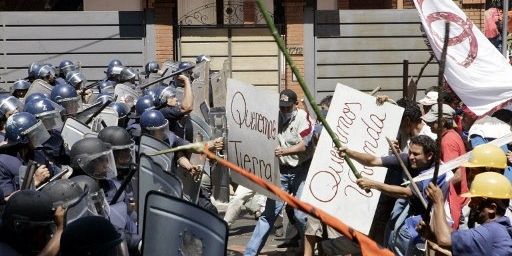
(8, 106)
(28, 222)
(151, 67)
(95, 158)
(20, 88)
(122, 113)
(65, 67)
(153, 123)
(27, 139)
(66, 96)
(50, 115)
(174, 111)
(143, 103)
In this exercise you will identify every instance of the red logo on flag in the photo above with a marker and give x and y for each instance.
(467, 33)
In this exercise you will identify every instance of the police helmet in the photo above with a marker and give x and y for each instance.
(10, 105)
(115, 62)
(94, 157)
(23, 127)
(153, 122)
(151, 67)
(114, 72)
(76, 79)
(25, 212)
(202, 58)
(20, 85)
(127, 74)
(154, 92)
(35, 96)
(91, 235)
(167, 92)
(66, 193)
(107, 87)
(144, 103)
(33, 70)
(65, 67)
(96, 196)
(66, 96)
(122, 144)
(46, 71)
(121, 108)
(46, 111)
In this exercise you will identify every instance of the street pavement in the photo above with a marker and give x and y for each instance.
(241, 231)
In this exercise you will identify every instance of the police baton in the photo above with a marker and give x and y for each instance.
(127, 179)
(166, 77)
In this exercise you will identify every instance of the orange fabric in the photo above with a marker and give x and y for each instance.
(368, 246)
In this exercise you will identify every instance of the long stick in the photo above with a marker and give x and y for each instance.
(368, 246)
(312, 102)
(423, 67)
(440, 78)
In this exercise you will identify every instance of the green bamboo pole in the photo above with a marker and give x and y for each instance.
(312, 102)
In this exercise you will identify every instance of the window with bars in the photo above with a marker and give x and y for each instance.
(221, 12)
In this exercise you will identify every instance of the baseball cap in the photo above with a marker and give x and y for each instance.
(287, 98)
(431, 116)
(429, 99)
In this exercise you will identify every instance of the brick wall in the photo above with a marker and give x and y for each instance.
(474, 9)
(164, 11)
(294, 13)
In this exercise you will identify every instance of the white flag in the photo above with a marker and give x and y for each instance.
(475, 69)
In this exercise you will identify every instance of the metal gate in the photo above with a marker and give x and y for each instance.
(365, 49)
(90, 38)
(253, 54)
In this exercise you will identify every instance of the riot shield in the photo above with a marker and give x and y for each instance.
(74, 131)
(149, 144)
(191, 185)
(201, 84)
(109, 116)
(153, 177)
(127, 94)
(173, 224)
(218, 85)
(201, 129)
(40, 86)
(88, 111)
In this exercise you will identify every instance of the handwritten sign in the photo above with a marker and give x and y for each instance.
(252, 117)
(361, 125)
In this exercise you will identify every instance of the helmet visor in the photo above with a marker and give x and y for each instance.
(37, 134)
(98, 204)
(99, 166)
(160, 132)
(51, 120)
(124, 155)
(10, 105)
(72, 105)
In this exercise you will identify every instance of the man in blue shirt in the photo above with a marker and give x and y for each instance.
(489, 193)
(401, 235)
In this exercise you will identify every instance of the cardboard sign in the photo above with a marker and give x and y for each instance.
(361, 125)
(252, 117)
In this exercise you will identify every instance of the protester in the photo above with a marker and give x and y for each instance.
(401, 232)
(489, 194)
(295, 133)
(452, 147)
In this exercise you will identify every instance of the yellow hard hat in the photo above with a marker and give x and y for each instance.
(490, 185)
(487, 155)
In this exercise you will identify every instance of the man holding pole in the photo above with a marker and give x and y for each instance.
(401, 231)
(294, 153)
